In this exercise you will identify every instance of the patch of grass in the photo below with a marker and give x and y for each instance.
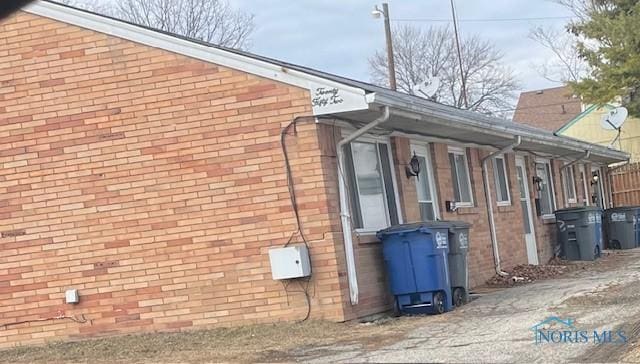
(247, 343)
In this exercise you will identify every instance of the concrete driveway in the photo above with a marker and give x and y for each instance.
(497, 327)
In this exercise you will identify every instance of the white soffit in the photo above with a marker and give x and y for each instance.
(326, 96)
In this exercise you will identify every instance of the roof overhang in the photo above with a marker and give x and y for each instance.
(415, 116)
(344, 98)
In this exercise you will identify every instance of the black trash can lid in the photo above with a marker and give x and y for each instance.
(457, 223)
(622, 208)
(577, 209)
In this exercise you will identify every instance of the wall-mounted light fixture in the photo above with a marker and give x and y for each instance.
(537, 181)
(413, 168)
(594, 178)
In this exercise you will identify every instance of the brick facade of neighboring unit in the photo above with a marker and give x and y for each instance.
(548, 109)
(155, 184)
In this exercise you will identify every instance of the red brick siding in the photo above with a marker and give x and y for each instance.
(152, 183)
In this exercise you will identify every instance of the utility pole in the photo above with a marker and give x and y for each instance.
(455, 32)
(387, 32)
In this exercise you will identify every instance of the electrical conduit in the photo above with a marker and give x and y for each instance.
(488, 198)
(345, 211)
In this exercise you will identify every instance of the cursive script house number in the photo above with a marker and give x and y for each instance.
(324, 96)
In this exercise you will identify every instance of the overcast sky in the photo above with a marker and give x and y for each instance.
(338, 36)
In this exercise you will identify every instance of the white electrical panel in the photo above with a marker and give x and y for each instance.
(290, 262)
(71, 296)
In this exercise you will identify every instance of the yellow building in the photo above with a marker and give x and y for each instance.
(587, 127)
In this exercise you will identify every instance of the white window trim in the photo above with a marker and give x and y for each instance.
(496, 178)
(422, 149)
(463, 152)
(384, 140)
(565, 184)
(586, 193)
(550, 216)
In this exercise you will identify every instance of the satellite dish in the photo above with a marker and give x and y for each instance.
(614, 118)
(427, 88)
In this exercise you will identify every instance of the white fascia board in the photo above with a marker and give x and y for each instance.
(485, 127)
(327, 96)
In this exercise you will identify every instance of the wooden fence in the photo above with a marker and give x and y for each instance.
(625, 185)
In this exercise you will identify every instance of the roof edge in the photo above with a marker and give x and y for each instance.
(497, 126)
(354, 96)
(579, 117)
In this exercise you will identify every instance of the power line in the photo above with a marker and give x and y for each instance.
(481, 20)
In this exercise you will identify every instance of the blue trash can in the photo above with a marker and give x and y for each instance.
(415, 256)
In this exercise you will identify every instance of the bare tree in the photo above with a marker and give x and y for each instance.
(567, 64)
(94, 6)
(212, 21)
(420, 54)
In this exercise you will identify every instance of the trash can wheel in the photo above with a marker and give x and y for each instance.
(458, 297)
(439, 302)
(396, 308)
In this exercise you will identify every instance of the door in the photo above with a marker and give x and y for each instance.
(527, 216)
(425, 186)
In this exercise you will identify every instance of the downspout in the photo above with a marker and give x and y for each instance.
(345, 211)
(488, 198)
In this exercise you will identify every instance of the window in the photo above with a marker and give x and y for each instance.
(569, 184)
(425, 186)
(502, 181)
(371, 185)
(545, 189)
(460, 177)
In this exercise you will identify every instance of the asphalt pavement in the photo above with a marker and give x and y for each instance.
(499, 327)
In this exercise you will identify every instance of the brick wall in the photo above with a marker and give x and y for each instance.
(152, 183)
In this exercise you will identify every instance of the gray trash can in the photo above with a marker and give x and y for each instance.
(458, 233)
(579, 232)
(622, 227)
(459, 262)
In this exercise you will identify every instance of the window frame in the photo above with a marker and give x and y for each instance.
(565, 184)
(549, 172)
(463, 152)
(586, 191)
(423, 149)
(499, 201)
(376, 140)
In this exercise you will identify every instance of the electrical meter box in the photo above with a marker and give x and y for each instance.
(290, 262)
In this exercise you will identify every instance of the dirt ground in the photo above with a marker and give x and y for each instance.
(598, 294)
(241, 344)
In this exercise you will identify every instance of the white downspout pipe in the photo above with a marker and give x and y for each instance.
(345, 211)
(488, 198)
